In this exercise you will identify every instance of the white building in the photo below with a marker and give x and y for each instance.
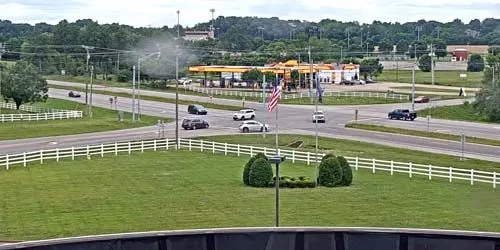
(198, 35)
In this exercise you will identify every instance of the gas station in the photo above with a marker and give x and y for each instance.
(327, 73)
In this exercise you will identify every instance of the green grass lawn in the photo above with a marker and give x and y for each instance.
(343, 100)
(444, 77)
(183, 190)
(457, 112)
(421, 133)
(426, 89)
(153, 98)
(102, 120)
(12, 111)
(357, 148)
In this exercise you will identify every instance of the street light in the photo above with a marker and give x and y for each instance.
(177, 81)
(87, 48)
(158, 54)
(277, 159)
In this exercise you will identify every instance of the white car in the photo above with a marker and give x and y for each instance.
(253, 126)
(318, 116)
(244, 114)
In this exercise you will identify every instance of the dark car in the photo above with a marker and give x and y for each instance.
(197, 109)
(422, 99)
(74, 94)
(194, 124)
(405, 114)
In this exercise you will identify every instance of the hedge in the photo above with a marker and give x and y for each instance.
(294, 182)
(330, 172)
(246, 169)
(346, 171)
(261, 173)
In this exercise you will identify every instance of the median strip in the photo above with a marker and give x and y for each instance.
(420, 133)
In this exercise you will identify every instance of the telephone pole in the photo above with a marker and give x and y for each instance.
(91, 88)
(432, 63)
(310, 74)
(177, 80)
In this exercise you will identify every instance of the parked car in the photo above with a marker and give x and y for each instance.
(193, 124)
(422, 99)
(74, 94)
(244, 114)
(318, 116)
(405, 114)
(196, 109)
(253, 126)
(370, 81)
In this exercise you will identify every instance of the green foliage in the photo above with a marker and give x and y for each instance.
(248, 165)
(123, 75)
(294, 182)
(487, 103)
(371, 67)
(346, 171)
(22, 83)
(261, 173)
(424, 63)
(475, 63)
(330, 172)
(252, 75)
(327, 156)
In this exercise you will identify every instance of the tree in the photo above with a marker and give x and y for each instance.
(330, 172)
(23, 84)
(487, 103)
(252, 76)
(261, 173)
(440, 48)
(475, 63)
(424, 63)
(346, 171)
(370, 67)
(248, 165)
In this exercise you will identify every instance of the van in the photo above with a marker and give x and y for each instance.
(196, 109)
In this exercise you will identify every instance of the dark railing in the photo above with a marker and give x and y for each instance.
(276, 238)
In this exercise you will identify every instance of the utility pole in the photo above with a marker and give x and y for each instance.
(492, 76)
(413, 88)
(299, 71)
(133, 94)
(316, 131)
(91, 88)
(87, 48)
(264, 100)
(419, 29)
(432, 63)
(177, 80)
(118, 62)
(310, 74)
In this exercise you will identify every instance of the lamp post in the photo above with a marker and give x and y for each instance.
(177, 84)
(91, 88)
(133, 94)
(277, 159)
(87, 48)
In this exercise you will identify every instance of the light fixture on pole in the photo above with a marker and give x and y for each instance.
(133, 94)
(87, 48)
(277, 159)
(177, 84)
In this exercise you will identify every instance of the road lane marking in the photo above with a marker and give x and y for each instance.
(443, 130)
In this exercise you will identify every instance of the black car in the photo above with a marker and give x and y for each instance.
(194, 124)
(74, 94)
(405, 114)
(197, 109)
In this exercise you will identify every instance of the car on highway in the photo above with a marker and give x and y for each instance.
(405, 114)
(318, 116)
(252, 126)
(197, 109)
(244, 114)
(194, 123)
(74, 94)
(422, 99)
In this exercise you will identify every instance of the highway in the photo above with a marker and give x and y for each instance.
(293, 119)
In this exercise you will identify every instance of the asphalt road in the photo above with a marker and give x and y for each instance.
(294, 119)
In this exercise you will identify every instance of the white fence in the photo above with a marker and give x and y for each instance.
(39, 114)
(429, 171)
(286, 96)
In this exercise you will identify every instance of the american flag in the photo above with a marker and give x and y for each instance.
(273, 99)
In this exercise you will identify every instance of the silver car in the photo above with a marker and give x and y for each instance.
(318, 116)
(252, 126)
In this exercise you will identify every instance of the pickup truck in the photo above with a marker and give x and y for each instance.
(402, 114)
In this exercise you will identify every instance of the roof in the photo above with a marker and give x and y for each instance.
(473, 49)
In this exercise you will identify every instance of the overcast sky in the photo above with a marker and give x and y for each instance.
(157, 13)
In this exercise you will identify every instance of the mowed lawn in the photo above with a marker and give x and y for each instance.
(342, 100)
(102, 120)
(182, 190)
(463, 112)
(442, 77)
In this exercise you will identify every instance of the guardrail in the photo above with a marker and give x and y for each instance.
(412, 169)
(39, 114)
(385, 95)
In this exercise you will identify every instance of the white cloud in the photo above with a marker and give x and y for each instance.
(160, 12)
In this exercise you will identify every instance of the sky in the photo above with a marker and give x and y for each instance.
(158, 13)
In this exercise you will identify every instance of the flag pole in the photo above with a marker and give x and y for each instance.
(264, 102)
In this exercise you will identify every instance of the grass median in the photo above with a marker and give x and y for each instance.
(358, 148)
(421, 133)
(462, 112)
(343, 100)
(442, 77)
(102, 120)
(152, 98)
(183, 190)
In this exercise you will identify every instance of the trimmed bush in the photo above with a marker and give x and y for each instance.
(346, 171)
(246, 169)
(261, 173)
(327, 156)
(294, 182)
(330, 172)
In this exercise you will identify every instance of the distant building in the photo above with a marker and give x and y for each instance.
(462, 52)
(198, 35)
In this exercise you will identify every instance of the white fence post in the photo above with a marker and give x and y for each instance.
(225, 148)
(154, 145)
(41, 156)
(494, 179)
(308, 158)
(129, 148)
(7, 162)
(373, 165)
(251, 150)
(357, 163)
(166, 143)
(392, 167)
(450, 174)
(142, 146)
(472, 176)
(410, 168)
(265, 151)
(116, 148)
(24, 159)
(73, 153)
(57, 154)
(430, 172)
(189, 145)
(88, 151)
(293, 156)
(238, 149)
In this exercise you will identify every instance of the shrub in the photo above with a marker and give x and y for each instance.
(261, 173)
(246, 169)
(346, 171)
(330, 172)
(327, 156)
(294, 182)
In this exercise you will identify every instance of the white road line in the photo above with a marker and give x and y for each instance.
(443, 130)
(496, 127)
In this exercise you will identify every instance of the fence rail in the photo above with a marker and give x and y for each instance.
(385, 95)
(38, 114)
(374, 165)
